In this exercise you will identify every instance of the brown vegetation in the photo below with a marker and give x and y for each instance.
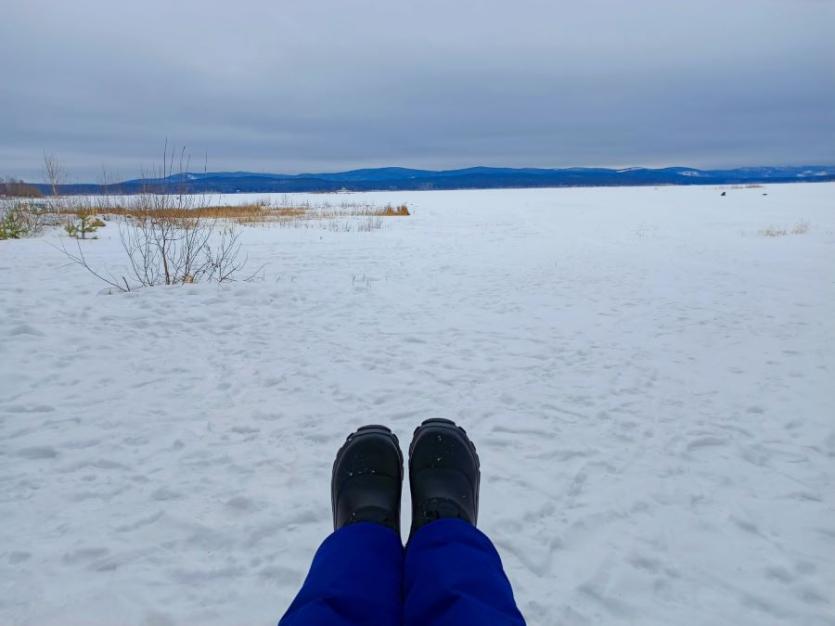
(390, 211)
(252, 213)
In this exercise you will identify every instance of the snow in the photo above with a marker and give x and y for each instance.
(648, 379)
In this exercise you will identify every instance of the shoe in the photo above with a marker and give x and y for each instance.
(367, 479)
(444, 474)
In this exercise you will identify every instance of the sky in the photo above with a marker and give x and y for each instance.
(327, 85)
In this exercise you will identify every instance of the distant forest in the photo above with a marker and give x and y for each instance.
(397, 179)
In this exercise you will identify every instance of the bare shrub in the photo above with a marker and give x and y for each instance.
(801, 228)
(54, 173)
(170, 237)
(172, 251)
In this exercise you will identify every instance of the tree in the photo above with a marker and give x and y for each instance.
(85, 223)
(18, 189)
(54, 172)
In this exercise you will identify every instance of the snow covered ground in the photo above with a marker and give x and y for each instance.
(649, 380)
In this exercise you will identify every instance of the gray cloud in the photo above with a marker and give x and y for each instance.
(325, 84)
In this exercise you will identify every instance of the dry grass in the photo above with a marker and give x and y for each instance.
(801, 228)
(399, 211)
(244, 213)
(247, 214)
(771, 231)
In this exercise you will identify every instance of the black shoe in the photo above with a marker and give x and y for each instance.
(367, 479)
(443, 474)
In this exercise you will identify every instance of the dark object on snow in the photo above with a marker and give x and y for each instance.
(443, 474)
(724, 193)
(367, 478)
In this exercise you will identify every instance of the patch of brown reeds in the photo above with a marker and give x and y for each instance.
(251, 213)
(399, 211)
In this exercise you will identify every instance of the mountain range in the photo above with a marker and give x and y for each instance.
(398, 178)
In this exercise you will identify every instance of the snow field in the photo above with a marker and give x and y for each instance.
(648, 379)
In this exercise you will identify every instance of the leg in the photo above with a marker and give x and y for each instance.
(454, 577)
(355, 580)
(453, 574)
(357, 574)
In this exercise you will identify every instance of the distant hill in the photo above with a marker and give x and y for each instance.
(399, 178)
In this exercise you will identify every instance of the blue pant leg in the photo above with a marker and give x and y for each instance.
(356, 579)
(454, 577)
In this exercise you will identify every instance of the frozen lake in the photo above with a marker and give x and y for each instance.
(650, 382)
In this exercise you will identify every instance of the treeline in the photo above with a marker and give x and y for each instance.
(18, 189)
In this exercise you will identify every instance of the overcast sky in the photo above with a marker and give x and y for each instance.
(323, 85)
